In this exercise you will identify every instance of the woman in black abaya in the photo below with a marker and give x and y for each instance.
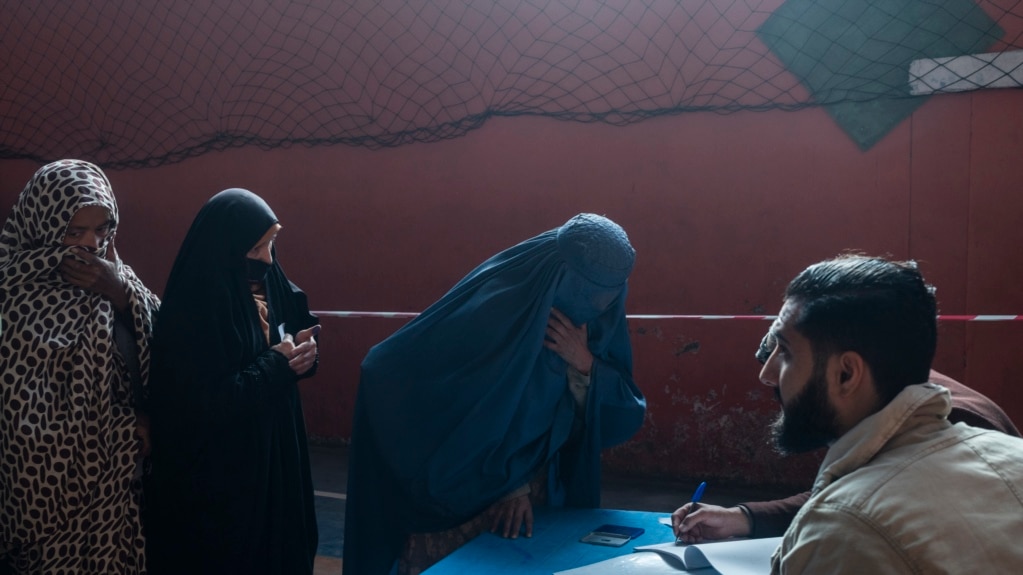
(231, 490)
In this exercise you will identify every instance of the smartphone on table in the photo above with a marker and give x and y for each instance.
(612, 535)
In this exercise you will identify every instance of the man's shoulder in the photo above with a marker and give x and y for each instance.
(967, 477)
(972, 407)
(943, 459)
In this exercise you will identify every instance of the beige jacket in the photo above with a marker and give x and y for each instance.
(905, 491)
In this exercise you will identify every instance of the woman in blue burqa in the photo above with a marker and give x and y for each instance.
(231, 489)
(510, 384)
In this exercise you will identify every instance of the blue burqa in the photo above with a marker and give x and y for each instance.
(464, 404)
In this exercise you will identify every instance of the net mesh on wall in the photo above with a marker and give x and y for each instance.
(135, 83)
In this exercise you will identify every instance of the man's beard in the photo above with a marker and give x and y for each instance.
(808, 421)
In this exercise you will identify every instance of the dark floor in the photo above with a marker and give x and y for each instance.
(330, 478)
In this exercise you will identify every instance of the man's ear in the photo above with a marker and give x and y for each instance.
(851, 373)
(853, 393)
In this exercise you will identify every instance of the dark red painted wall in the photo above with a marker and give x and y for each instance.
(722, 209)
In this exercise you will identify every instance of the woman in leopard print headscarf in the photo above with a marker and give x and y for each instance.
(74, 359)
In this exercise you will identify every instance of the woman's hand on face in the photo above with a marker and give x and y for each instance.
(568, 341)
(96, 274)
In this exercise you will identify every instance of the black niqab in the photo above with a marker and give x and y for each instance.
(230, 489)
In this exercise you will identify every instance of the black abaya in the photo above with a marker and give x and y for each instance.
(230, 490)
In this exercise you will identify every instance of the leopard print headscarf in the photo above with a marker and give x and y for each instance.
(65, 393)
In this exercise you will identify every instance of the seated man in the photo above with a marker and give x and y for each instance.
(901, 488)
(772, 518)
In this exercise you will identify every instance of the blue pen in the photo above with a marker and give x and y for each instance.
(697, 495)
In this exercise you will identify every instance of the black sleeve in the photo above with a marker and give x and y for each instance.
(260, 382)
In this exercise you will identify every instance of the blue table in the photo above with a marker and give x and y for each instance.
(554, 545)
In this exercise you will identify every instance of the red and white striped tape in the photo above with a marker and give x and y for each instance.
(405, 315)
(383, 314)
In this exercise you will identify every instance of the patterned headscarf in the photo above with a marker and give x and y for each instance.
(43, 211)
(65, 392)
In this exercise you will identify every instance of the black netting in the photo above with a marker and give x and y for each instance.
(145, 82)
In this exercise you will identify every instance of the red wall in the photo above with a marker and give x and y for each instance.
(722, 209)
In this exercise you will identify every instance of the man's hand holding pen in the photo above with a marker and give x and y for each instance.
(696, 523)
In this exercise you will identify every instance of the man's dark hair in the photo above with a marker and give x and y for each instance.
(880, 309)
